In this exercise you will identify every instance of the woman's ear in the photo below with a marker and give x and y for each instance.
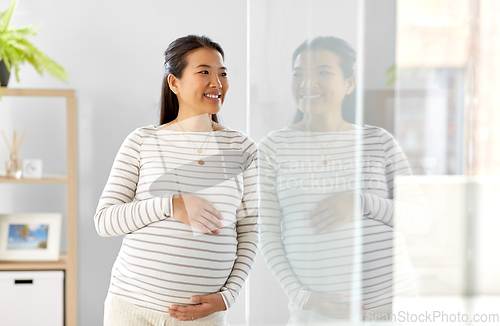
(351, 84)
(172, 83)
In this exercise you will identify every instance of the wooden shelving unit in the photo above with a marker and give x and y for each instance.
(67, 261)
(61, 264)
(45, 179)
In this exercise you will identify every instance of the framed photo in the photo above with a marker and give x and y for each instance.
(32, 168)
(30, 237)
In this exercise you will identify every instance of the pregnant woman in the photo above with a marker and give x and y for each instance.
(330, 208)
(184, 194)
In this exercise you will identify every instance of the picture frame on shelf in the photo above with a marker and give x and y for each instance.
(33, 168)
(30, 237)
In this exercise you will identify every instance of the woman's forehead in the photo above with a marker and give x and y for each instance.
(204, 56)
(317, 58)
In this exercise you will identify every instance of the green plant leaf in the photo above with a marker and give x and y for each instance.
(7, 15)
(391, 75)
(16, 49)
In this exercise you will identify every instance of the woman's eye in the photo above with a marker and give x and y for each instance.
(324, 72)
(297, 75)
(204, 72)
(224, 74)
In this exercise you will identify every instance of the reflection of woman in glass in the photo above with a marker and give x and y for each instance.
(328, 200)
(188, 212)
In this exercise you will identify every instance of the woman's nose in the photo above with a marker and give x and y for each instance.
(309, 80)
(215, 82)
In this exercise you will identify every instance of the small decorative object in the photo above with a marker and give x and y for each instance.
(32, 168)
(15, 49)
(13, 165)
(30, 236)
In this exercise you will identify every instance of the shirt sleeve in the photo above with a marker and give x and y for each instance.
(118, 212)
(246, 227)
(406, 208)
(270, 214)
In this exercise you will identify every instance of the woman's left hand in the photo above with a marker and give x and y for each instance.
(206, 305)
(333, 212)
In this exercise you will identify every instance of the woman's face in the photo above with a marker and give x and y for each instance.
(318, 83)
(203, 85)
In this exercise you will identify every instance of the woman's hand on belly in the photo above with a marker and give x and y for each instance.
(206, 305)
(329, 305)
(334, 211)
(197, 212)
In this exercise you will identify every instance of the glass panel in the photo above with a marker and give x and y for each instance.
(378, 190)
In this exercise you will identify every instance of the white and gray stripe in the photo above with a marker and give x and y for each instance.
(162, 261)
(293, 181)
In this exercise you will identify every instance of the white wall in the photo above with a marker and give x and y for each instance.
(113, 51)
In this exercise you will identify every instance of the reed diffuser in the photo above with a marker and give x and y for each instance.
(13, 166)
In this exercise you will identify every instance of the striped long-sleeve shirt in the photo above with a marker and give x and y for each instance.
(294, 179)
(163, 261)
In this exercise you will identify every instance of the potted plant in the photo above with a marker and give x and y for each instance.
(15, 49)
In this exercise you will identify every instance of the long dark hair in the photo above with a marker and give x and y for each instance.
(347, 56)
(175, 63)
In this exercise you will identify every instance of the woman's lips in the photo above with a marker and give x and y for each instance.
(212, 97)
(311, 97)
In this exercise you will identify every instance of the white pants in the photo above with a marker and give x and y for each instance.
(310, 318)
(118, 312)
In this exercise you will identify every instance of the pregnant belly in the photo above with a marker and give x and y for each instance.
(326, 262)
(166, 261)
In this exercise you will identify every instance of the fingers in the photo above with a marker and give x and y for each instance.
(202, 215)
(201, 298)
(328, 223)
(326, 297)
(211, 218)
(211, 209)
(189, 312)
(331, 305)
(318, 218)
(319, 208)
(200, 227)
(332, 226)
(213, 222)
(204, 225)
(185, 313)
(340, 310)
(333, 309)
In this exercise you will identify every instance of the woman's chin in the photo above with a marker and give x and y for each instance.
(314, 109)
(212, 109)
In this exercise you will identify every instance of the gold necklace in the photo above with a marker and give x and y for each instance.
(324, 149)
(199, 151)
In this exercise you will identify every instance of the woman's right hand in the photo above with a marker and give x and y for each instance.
(197, 212)
(330, 305)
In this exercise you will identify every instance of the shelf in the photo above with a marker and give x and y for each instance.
(68, 261)
(61, 264)
(45, 179)
(37, 92)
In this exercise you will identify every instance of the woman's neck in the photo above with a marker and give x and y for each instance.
(197, 123)
(322, 123)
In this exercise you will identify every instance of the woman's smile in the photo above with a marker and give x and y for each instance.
(318, 83)
(310, 97)
(213, 96)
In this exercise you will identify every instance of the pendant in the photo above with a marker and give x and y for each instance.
(325, 162)
(199, 150)
(324, 151)
(201, 162)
